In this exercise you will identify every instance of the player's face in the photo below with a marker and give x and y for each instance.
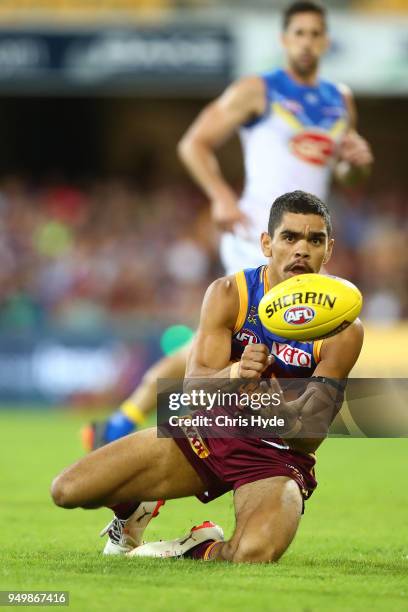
(305, 40)
(299, 245)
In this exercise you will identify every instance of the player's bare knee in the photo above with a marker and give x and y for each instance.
(256, 555)
(255, 550)
(228, 550)
(63, 491)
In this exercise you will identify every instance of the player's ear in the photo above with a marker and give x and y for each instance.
(329, 251)
(266, 244)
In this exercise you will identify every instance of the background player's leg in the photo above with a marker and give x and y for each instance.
(138, 467)
(267, 516)
(144, 398)
(132, 413)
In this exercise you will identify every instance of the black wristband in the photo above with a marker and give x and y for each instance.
(339, 386)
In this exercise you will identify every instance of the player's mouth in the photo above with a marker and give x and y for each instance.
(306, 58)
(306, 61)
(299, 267)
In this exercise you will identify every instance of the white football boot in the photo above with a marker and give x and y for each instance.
(179, 547)
(125, 534)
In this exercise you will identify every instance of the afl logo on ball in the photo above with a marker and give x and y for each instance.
(299, 315)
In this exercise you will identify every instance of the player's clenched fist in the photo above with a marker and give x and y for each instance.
(254, 360)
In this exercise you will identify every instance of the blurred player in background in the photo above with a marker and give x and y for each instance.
(296, 131)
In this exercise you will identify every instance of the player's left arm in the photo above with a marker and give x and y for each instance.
(324, 392)
(355, 155)
(339, 353)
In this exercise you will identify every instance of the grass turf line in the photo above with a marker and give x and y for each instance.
(351, 550)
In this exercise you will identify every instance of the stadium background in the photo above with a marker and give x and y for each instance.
(104, 241)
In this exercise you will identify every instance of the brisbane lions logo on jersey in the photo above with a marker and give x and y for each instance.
(313, 147)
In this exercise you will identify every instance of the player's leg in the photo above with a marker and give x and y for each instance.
(267, 512)
(138, 467)
(121, 475)
(132, 413)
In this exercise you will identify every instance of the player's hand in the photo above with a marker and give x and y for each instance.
(227, 215)
(355, 150)
(254, 360)
(313, 411)
(290, 411)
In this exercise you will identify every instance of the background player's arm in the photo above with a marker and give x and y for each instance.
(355, 155)
(243, 100)
(338, 356)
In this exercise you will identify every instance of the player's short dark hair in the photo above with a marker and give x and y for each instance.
(303, 7)
(299, 202)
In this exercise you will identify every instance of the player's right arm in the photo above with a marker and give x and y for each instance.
(242, 101)
(210, 354)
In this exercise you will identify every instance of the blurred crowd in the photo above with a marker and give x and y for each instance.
(103, 255)
(100, 255)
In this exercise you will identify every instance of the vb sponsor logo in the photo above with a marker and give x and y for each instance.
(299, 315)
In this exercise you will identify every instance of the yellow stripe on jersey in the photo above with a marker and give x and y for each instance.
(287, 116)
(338, 128)
(265, 279)
(317, 345)
(243, 300)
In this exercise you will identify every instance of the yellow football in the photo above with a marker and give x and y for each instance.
(310, 306)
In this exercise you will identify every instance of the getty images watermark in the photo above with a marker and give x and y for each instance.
(228, 408)
(205, 402)
(241, 408)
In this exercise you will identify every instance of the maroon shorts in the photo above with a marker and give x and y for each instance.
(225, 464)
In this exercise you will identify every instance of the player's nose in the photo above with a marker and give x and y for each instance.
(302, 250)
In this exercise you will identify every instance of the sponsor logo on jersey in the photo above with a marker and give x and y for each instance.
(299, 315)
(293, 105)
(311, 98)
(291, 355)
(309, 297)
(247, 336)
(313, 147)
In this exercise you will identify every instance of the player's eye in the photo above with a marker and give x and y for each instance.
(317, 241)
(289, 238)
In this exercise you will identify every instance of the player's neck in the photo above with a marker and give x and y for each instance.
(272, 277)
(309, 80)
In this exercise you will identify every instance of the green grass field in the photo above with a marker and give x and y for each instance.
(351, 551)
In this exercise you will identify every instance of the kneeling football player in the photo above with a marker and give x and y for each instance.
(271, 476)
